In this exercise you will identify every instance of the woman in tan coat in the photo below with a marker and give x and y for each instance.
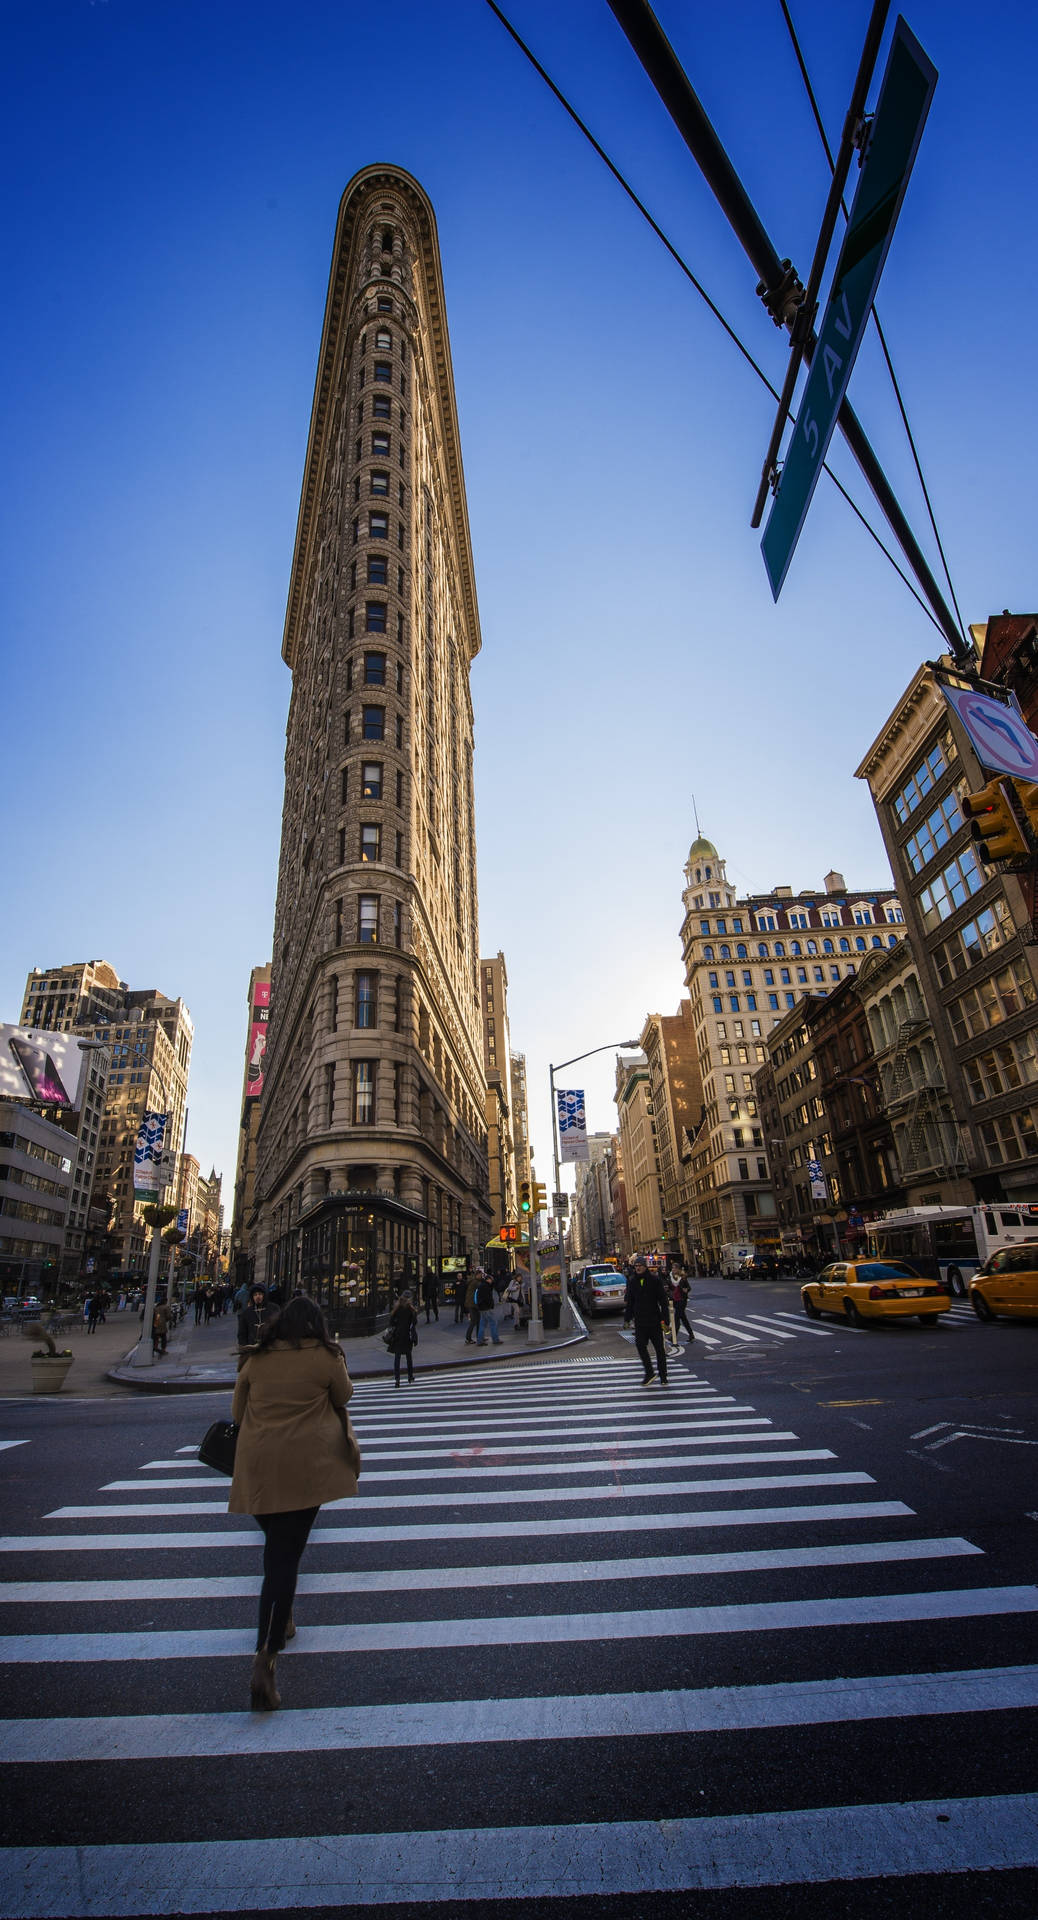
(295, 1451)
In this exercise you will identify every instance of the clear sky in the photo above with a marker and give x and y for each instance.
(172, 170)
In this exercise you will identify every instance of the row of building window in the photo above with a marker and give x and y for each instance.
(797, 949)
(862, 916)
(923, 779)
(973, 942)
(951, 888)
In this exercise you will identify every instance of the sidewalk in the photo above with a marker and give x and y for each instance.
(204, 1358)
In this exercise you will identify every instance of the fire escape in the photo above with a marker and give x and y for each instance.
(926, 1136)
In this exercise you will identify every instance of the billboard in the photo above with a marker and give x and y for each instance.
(257, 1039)
(40, 1069)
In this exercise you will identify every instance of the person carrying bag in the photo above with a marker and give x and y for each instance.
(295, 1450)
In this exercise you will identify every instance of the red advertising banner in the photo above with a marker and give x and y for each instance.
(257, 1039)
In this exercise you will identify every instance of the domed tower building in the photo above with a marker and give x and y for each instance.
(371, 1156)
(748, 960)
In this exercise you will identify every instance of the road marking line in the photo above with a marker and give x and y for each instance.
(502, 1629)
(721, 1326)
(539, 1529)
(753, 1321)
(493, 1467)
(497, 1575)
(490, 1497)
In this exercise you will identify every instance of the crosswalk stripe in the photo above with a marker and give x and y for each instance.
(485, 1430)
(802, 1846)
(751, 1321)
(502, 1629)
(721, 1326)
(499, 1575)
(493, 1496)
(465, 1470)
(551, 1717)
(539, 1529)
(804, 1325)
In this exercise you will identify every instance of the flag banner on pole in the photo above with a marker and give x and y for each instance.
(572, 1125)
(149, 1177)
(819, 1185)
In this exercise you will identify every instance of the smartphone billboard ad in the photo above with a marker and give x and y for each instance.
(257, 1039)
(40, 1069)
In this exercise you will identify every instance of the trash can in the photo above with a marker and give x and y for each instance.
(551, 1312)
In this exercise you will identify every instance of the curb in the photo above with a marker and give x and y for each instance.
(125, 1376)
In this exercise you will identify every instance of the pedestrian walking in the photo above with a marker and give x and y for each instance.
(430, 1293)
(295, 1451)
(159, 1327)
(646, 1304)
(484, 1300)
(514, 1299)
(679, 1292)
(403, 1326)
(252, 1316)
(462, 1282)
(471, 1309)
(95, 1311)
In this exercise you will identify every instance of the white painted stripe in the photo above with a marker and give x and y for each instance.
(554, 1629)
(705, 1339)
(690, 1436)
(539, 1529)
(13, 1443)
(804, 1846)
(193, 1449)
(799, 1320)
(626, 1433)
(536, 1573)
(658, 1490)
(721, 1326)
(494, 1468)
(449, 1432)
(753, 1322)
(551, 1717)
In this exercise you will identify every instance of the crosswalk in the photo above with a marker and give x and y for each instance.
(749, 1328)
(566, 1642)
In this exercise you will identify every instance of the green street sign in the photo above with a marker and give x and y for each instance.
(904, 102)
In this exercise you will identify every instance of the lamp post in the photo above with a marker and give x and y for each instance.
(611, 1046)
(160, 1216)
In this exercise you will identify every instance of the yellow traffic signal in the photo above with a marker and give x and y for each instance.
(525, 1202)
(993, 824)
(540, 1197)
(1027, 794)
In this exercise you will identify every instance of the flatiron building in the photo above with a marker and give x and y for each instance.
(371, 1155)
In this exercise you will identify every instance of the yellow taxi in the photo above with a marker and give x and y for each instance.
(864, 1290)
(1007, 1283)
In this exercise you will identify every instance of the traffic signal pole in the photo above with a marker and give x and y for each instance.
(780, 288)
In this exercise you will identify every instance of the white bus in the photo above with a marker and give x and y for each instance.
(949, 1243)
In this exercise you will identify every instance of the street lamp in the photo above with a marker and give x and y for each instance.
(160, 1217)
(611, 1046)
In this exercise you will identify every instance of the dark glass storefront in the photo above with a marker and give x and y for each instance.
(357, 1250)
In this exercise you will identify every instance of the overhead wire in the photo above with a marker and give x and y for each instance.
(701, 290)
(812, 99)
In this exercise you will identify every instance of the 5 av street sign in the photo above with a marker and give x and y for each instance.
(904, 102)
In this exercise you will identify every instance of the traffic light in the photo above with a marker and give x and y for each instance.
(509, 1232)
(1027, 794)
(993, 824)
(540, 1197)
(525, 1202)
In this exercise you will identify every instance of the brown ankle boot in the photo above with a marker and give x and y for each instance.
(264, 1693)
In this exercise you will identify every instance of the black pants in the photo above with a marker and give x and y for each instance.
(681, 1319)
(397, 1357)
(644, 1337)
(285, 1535)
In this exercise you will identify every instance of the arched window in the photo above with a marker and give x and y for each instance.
(708, 953)
(740, 952)
(860, 944)
(827, 946)
(780, 950)
(726, 953)
(762, 949)
(794, 948)
(845, 946)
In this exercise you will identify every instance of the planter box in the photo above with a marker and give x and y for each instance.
(49, 1370)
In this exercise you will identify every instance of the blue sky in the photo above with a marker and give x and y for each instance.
(172, 173)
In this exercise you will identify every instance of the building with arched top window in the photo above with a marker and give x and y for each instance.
(371, 1147)
(750, 959)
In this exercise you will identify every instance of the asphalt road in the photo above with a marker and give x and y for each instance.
(761, 1645)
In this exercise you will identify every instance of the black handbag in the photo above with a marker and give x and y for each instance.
(217, 1449)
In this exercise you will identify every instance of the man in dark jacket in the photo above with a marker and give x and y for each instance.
(646, 1303)
(252, 1316)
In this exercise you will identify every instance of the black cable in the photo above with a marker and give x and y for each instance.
(701, 290)
(875, 315)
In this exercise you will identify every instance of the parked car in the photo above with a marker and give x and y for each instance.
(1007, 1283)
(600, 1288)
(865, 1290)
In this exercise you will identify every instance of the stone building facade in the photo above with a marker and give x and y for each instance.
(748, 961)
(972, 931)
(371, 1148)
